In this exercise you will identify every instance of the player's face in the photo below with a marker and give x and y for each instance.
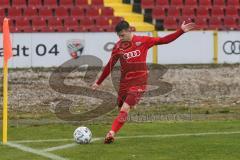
(125, 35)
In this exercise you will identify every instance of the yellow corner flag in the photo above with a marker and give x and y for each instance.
(7, 49)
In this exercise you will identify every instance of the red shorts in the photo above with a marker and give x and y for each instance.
(131, 96)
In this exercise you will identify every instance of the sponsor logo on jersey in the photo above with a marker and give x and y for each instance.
(131, 54)
(138, 43)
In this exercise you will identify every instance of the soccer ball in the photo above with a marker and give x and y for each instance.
(82, 135)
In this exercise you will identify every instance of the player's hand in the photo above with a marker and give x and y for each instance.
(188, 26)
(94, 86)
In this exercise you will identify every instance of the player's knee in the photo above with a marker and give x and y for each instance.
(125, 107)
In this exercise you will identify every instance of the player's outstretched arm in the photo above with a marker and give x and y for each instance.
(188, 27)
(106, 71)
(185, 27)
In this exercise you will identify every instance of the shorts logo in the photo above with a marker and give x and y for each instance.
(132, 54)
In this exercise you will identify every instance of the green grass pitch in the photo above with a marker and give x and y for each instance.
(196, 140)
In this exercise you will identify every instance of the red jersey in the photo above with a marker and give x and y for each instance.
(132, 55)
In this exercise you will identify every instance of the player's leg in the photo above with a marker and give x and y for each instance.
(121, 118)
(130, 102)
(118, 122)
(126, 101)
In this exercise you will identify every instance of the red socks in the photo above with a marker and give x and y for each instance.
(119, 121)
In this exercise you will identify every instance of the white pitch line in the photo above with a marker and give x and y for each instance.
(39, 140)
(145, 136)
(140, 136)
(45, 153)
(60, 147)
(179, 135)
(67, 145)
(35, 151)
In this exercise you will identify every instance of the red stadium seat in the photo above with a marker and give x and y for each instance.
(19, 3)
(107, 11)
(202, 12)
(86, 21)
(82, 29)
(14, 12)
(111, 29)
(22, 22)
(183, 18)
(158, 13)
(217, 11)
(50, 3)
(92, 11)
(11, 22)
(230, 23)
(215, 23)
(231, 11)
(4, 3)
(71, 24)
(201, 23)
(55, 24)
(45, 12)
(77, 12)
(191, 3)
(39, 24)
(177, 3)
(54, 21)
(23, 25)
(82, 3)
(13, 29)
(115, 20)
(173, 11)
(103, 23)
(162, 3)
(94, 29)
(97, 2)
(207, 3)
(2, 13)
(87, 24)
(233, 3)
(219, 3)
(35, 3)
(170, 23)
(66, 3)
(188, 12)
(147, 4)
(30, 12)
(61, 12)
(1, 20)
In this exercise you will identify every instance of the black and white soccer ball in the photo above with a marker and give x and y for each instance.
(82, 135)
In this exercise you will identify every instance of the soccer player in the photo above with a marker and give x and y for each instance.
(132, 50)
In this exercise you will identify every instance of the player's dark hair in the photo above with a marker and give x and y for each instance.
(121, 26)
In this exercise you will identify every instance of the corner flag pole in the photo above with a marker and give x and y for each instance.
(5, 101)
(7, 48)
